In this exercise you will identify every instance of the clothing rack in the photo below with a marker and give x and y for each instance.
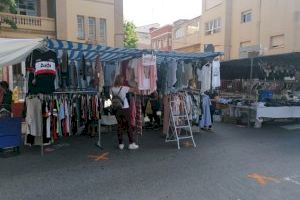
(87, 92)
(99, 142)
(75, 92)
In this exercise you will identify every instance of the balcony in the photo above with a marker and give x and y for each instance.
(40, 26)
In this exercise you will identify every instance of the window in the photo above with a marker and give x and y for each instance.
(277, 41)
(213, 26)
(246, 16)
(245, 44)
(179, 33)
(80, 27)
(27, 7)
(103, 31)
(92, 28)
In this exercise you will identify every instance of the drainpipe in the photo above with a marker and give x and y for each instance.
(259, 24)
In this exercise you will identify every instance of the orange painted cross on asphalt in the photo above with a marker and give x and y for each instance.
(262, 180)
(188, 144)
(99, 157)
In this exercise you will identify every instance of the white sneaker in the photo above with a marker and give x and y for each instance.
(121, 146)
(133, 146)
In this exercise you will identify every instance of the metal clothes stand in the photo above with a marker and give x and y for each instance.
(99, 142)
(179, 123)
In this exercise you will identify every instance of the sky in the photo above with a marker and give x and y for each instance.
(143, 12)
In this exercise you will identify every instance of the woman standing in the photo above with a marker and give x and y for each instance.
(123, 114)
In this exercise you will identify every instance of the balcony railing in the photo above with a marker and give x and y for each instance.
(29, 22)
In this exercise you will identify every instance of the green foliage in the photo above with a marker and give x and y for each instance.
(8, 6)
(130, 39)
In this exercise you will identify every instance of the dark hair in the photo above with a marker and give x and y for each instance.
(4, 85)
(119, 81)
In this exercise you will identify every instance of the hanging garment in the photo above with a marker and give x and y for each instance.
(132, 111)
(83, 73)
(180, 76)
(145, 76)
(189, 106)
(98, 75)
(42, 67)
(65, 70)
(204, 76)
(34, 116)
(162, 74)
(142, 77)
(73, 75)
(206, 115)
(109, 73)
(34, 120)
(54, 119)
(216, 77)
(60, 115)
(67, 118)
(188, 68)
(153, 79)
(139, 122)
(171, 75)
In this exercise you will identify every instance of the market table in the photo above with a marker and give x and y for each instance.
(261, 113)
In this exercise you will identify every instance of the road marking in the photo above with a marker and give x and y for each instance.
(99, 157)
(188, 144)
(261, 179)
(292, 179)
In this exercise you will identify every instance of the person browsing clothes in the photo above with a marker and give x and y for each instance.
(122, 112)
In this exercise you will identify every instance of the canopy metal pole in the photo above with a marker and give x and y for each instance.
(251, 55)
(250, 91)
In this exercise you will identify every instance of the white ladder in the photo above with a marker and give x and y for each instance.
(180, 127)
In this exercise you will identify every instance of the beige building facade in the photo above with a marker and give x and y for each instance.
(237, 27)
(85, 21)
(186, 35)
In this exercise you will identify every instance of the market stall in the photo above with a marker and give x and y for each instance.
(272, 93)
(69, 84)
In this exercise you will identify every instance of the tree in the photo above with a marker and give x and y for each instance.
(130, 39)
(10, 7)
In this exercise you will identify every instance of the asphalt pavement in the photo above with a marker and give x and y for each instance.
(232, 163)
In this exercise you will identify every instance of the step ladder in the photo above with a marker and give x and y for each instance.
(179, 123)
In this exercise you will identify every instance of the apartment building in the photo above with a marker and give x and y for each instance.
(85, 21)
(237, 27)
(186, 35)
(161, 38)
(144, 37)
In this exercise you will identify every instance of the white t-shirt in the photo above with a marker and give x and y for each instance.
(122, 94)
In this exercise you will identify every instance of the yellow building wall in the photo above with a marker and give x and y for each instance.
(218, 39)
(282, 21)
(269, 18)
(244, 32)
(67, 12)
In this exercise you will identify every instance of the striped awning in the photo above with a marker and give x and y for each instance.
(107, 54)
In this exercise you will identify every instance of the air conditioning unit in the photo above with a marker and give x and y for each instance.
(209, 48)
(245, 51)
